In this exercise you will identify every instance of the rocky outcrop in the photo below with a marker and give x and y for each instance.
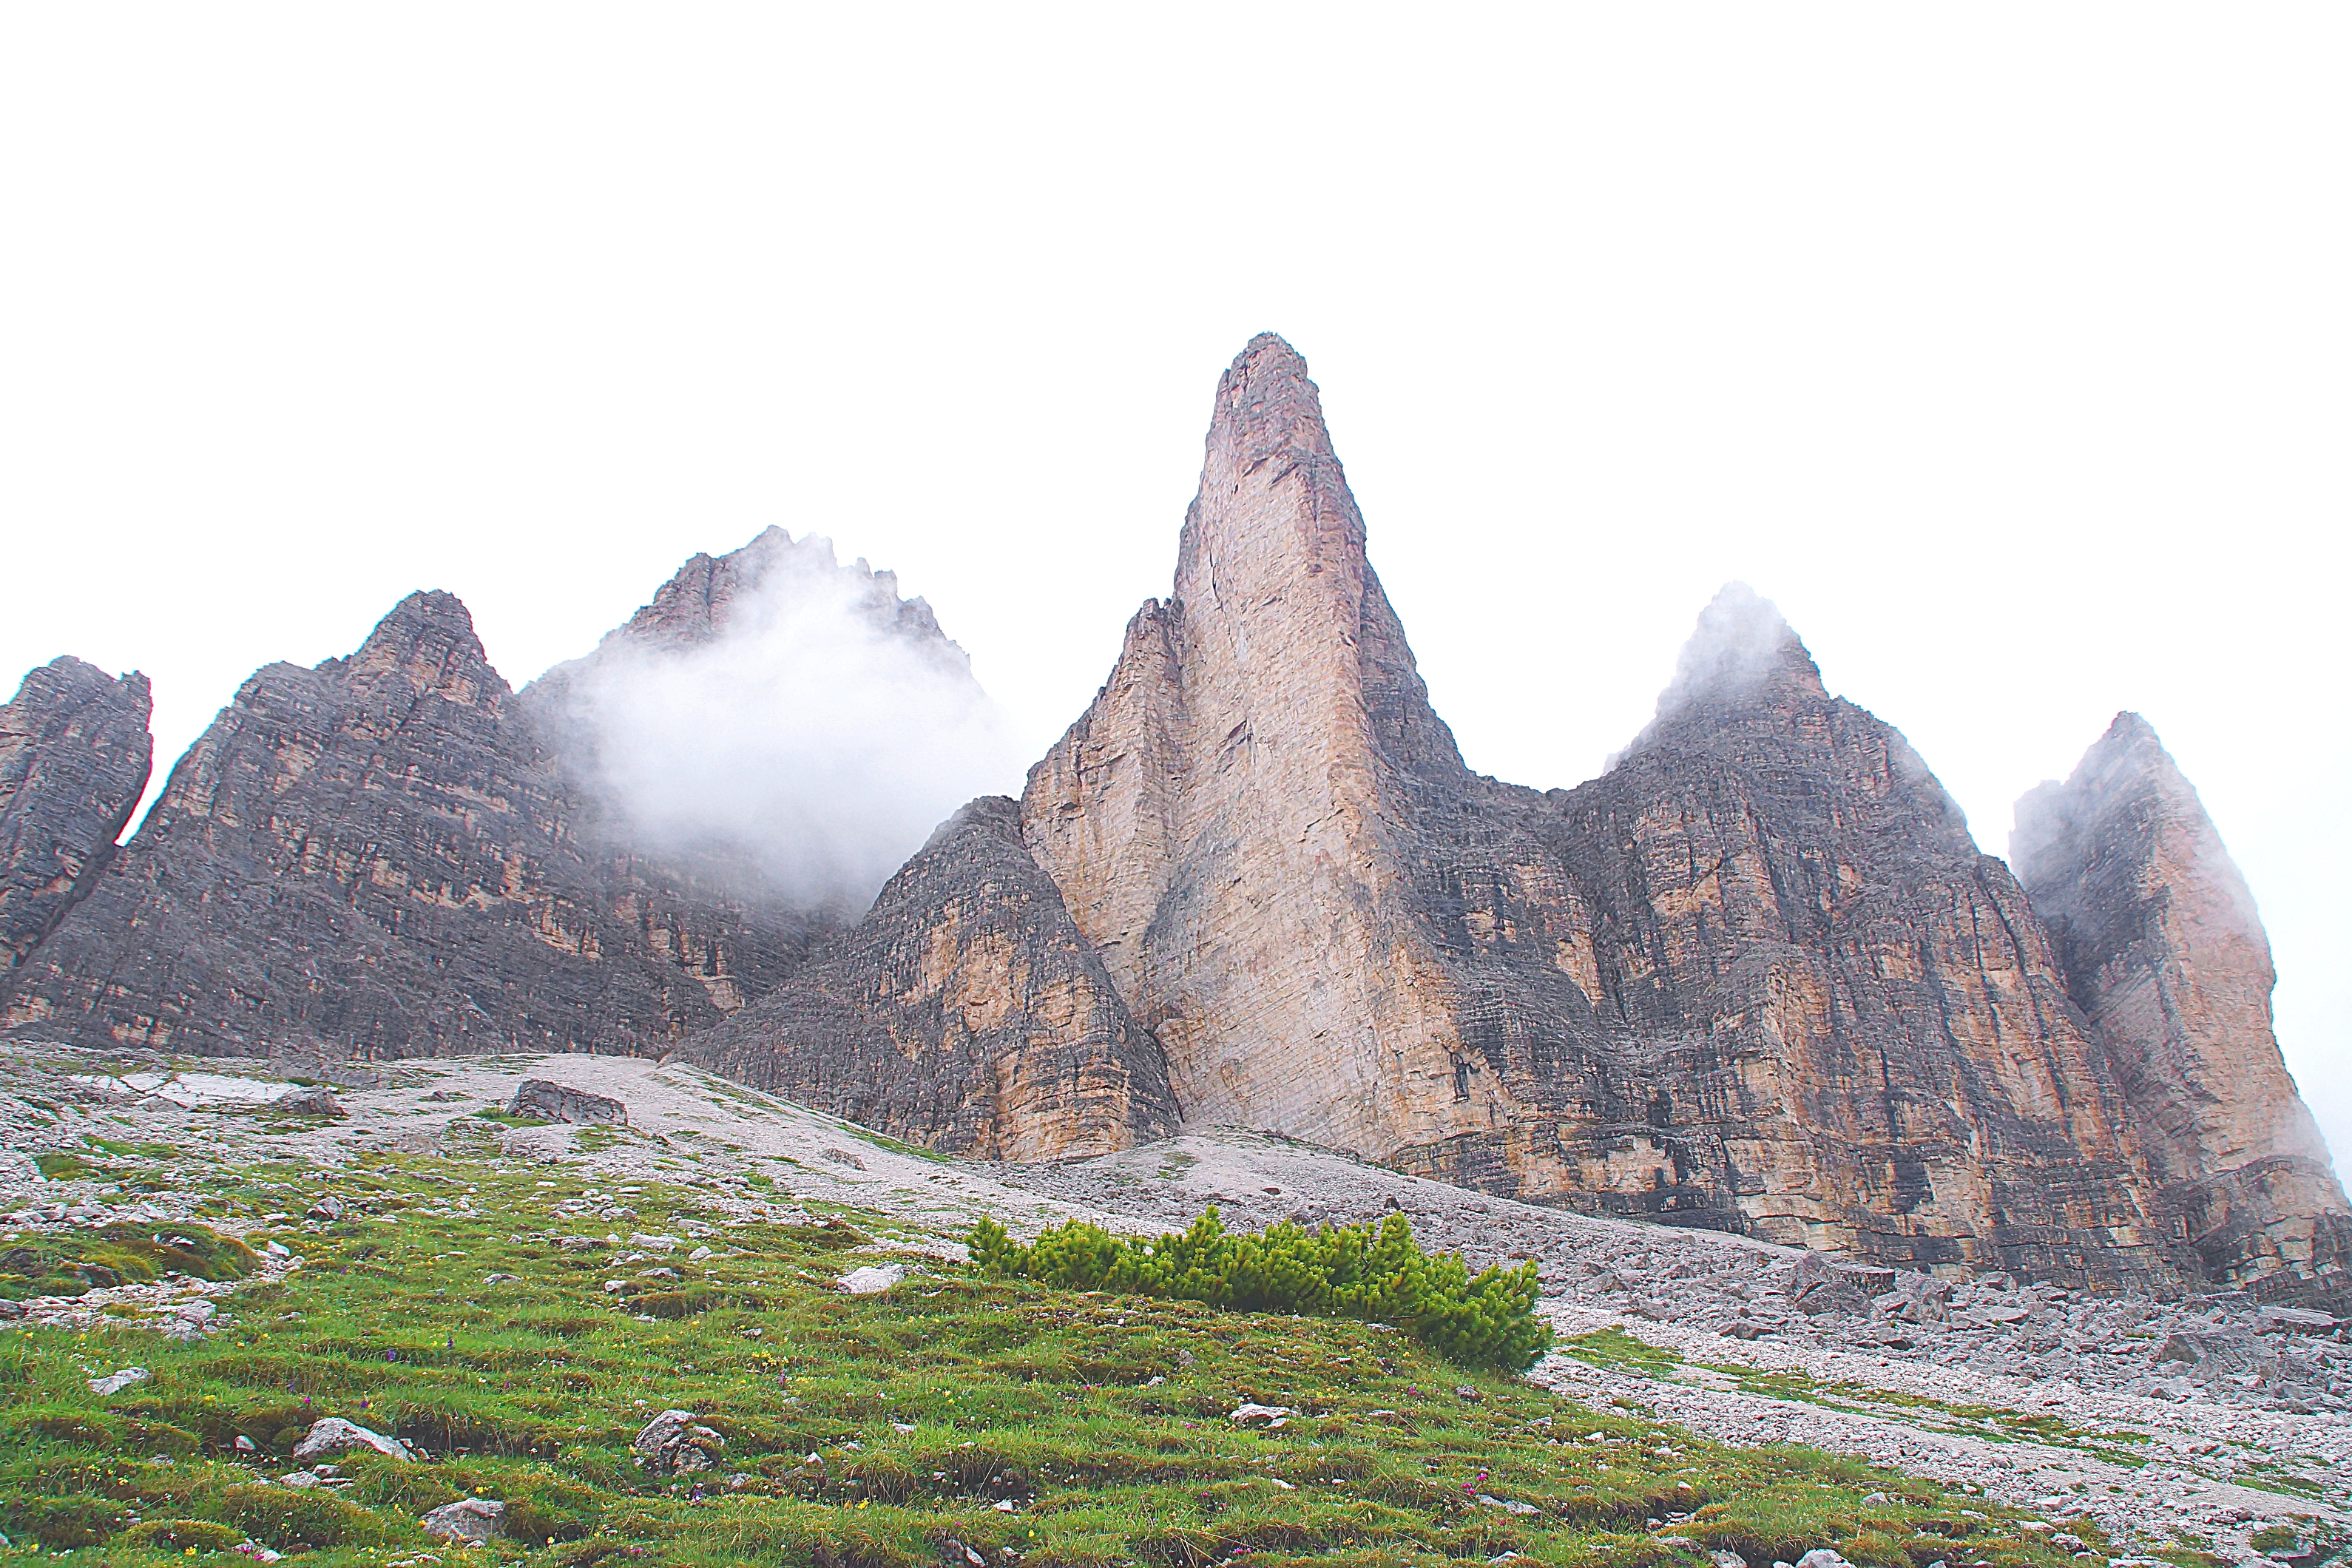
(964, 1011)
(74, 758)
(1756, 976)
(382, 856)
(2161, 947)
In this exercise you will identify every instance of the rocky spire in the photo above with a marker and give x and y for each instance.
(74, 759)
(2163, 950)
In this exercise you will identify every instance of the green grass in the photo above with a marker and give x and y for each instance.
(1102, 1419)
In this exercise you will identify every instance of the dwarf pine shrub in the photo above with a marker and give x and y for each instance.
(1374, 1273)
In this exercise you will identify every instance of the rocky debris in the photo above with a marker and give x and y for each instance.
(470, 1519)
(2161, 947)
(74, 759)
(317, 1099)
(873, 1281)
(333, 1435)
(672, 1444)
(556, 1103)
(327, 1210)
(116, 1382)
(389, 854)
(964, 1012)
(1248, 1413)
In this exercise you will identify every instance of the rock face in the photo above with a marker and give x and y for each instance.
(2162, 949)
(1756, 976)
(383, 855)
(74, 758)
(964, 1012)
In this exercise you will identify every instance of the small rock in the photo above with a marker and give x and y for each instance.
(661, 1243)
(1002, 1505)
(468, 1519)
(298, 1480)
(843, 1157)
(116, 1382)
(1464, 1391)
(1508, 1505)
(1267, 1416)
(277, 1249)
(697, 1255)
(316, 1101)
(672, 1444)
(335, 1436)
(872, 1281)
(958, 1553)
(328, 1208)
(1822, 1557)
(1724, 1558)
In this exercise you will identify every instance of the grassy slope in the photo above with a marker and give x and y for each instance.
(530, 1390)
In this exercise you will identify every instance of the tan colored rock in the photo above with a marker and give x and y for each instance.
(2164, 951)
(1756, 977)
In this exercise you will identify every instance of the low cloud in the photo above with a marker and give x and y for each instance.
(787, 717)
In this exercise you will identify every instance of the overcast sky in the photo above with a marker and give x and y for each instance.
(2005, 347)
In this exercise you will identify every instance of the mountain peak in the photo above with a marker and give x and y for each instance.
(428, 640)
(1742, 647)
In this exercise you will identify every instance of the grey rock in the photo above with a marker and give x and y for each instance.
(2293, 1321)
(469, 1519)
(74, 758)
(673, 1444)
(116, 1382)
(393, 855)
(333, 1436)
(317, 1099)
(557, 1102)
(872, 1281)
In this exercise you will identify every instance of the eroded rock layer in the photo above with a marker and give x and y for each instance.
(964, 1012)
(2162, 949)
(381, 856)
(74, 758)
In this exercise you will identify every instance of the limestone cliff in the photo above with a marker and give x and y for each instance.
(379, 856)
(964, 1012)
(1755, 977)
(2162, 949)
(74, 758)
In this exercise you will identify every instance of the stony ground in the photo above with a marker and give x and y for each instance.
(2212, 1422)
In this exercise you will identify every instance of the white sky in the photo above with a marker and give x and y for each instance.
(2005, 346)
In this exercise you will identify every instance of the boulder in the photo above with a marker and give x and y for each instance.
(559, 1102)
(472, 1519)
(334, 1436)
(672, 1444)
(313, 1100)
(872, 1281)
(2293, 1321)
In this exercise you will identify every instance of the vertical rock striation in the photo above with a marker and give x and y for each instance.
(2162, 949)
(964, 1012)
(74, 759)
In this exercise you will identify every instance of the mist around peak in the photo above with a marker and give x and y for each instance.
(813, 734)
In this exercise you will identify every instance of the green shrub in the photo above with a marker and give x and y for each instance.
(1374, 1273)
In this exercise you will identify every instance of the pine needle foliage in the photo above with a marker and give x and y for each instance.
(1375, 1274)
